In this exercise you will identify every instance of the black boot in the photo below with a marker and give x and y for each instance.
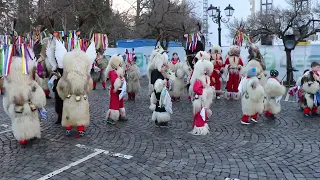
(59, 119)
(48, 96)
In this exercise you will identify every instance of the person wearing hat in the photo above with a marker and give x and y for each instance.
(252, 96)
(274, 91)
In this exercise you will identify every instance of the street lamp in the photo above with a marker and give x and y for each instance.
(215, 13)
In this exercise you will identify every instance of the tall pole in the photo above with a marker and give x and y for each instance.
(219, 27)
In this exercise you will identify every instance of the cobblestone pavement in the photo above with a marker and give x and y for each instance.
(287, 148)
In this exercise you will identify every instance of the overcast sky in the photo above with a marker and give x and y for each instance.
(242, 10)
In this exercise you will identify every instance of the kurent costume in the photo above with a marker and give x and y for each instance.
(252, 96)
(310, 86)
(160, 100)
(203, 95)
(23, 97)
(255, 59)
(98, 71)
(180, 69)
(232, 67)
(217, 61)
(74, 86)
(115, 73)
(274, 91)
(132, 76)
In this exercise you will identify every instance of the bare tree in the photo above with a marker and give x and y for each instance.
(7, 13)
(166, 20)
(281, 22)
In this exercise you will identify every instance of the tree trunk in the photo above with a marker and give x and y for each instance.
(165, 45)
(289, 82)
(137, 18)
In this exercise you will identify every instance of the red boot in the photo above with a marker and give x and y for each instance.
(23, 142)
(245, 120)
(68, 130)
(81, 130)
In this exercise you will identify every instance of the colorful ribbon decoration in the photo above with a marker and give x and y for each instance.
(192, 41)
(101, 41)
(241, 38)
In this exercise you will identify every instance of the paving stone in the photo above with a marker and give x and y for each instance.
(286, 148)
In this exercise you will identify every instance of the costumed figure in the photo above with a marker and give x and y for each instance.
(297, 91)
(160, 100)
(44, 69)
(252, 96)
(56, 73)
(115, 73)
(151, 67)
(203, 95)
(232, 67)
(255, 59)
(201, 55)
(132, 76)
(310, 86)
(180, 69)
(22, 101)
(98, 70)
(274, 92)
(217, 61)
(74, 86)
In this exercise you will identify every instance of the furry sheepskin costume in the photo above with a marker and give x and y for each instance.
(160, 100)
(152, 66)
(115, 73)
(74, 86)
(180, 70)
(23, 97)
(133, 78)
(310, 86)
(252, 97)
(273, 90)
(201, 55)
(98, 71)
(203, 95)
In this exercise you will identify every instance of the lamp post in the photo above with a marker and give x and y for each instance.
(217, 18)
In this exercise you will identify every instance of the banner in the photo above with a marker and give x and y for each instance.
(274, 56)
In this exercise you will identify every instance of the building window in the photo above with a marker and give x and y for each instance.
(266, 5)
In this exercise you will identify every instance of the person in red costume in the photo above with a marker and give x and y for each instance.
(115, 73)
(203, 95)
(310, 86)
(274, 91)
(217, 62)
(232, 66)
